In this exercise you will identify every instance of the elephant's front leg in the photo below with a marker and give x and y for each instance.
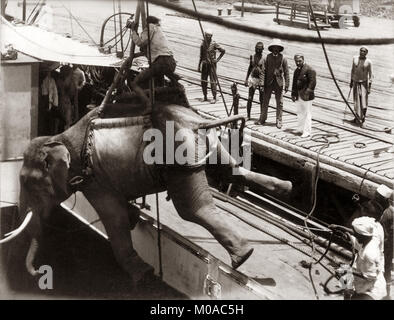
(114, 212)
(192, 198)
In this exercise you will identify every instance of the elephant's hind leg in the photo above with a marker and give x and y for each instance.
(190, 193)
(249, 178)
(114, 212)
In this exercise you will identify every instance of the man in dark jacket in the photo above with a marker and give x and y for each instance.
(276, 77)
(304, 83)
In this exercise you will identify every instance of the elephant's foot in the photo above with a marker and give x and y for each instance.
(285, 187)
(140, 270)
(238, 259)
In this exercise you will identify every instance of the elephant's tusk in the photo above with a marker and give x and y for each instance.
(11, 235)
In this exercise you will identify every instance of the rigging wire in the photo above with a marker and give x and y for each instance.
(120, 26)
(79, 24)
(329, 64)
(114, 15)
(34, 9)
(71, 21)
(152, 100)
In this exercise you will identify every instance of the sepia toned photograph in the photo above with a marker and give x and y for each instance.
(215, 151)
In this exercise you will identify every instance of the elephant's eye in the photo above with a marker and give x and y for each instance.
(46, 164)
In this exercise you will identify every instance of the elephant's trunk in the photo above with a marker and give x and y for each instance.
(31, 254)
(191, 196)
(34, 228)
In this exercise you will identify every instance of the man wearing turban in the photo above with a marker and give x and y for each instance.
(367, 237)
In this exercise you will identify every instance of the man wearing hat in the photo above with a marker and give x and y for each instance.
(366, 237)
(360, 82)
(255, 76)
(208, 62)
(381, 209)
(162, 59)
(384, 197)
(276, 77)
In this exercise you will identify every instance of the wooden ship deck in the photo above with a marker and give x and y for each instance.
(358, 160)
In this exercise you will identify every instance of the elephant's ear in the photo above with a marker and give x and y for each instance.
(57, 159)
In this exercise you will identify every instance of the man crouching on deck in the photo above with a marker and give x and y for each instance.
(163, 62)
(367, 237)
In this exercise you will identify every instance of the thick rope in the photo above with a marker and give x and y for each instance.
(318, 138)
(114, 15)
(120, 27)
(329, 64)
(271, 33)
(152, 101)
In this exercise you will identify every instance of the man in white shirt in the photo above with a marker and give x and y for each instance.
(163, 62)
(367, 238)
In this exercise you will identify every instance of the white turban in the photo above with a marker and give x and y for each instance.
(364, 226)
(384, 191)
(208, 31)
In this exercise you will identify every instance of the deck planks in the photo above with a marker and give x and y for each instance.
(343, 153)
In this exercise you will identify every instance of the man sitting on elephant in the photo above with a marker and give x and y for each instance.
(162, 60)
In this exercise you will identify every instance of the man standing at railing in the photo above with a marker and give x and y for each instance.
(276, 78)
(208, 63)
(361, 81)
(255, 77)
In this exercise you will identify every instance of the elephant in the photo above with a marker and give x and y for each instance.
(102, 156)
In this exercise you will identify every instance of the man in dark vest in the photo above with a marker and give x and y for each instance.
(256, 74)
(302, 93)
(276, 77)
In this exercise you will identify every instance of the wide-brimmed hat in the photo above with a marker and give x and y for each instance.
(277, 43)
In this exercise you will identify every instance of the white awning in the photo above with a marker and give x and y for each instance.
(46, 45)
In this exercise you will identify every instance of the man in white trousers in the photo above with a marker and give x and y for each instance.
(304, 83)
